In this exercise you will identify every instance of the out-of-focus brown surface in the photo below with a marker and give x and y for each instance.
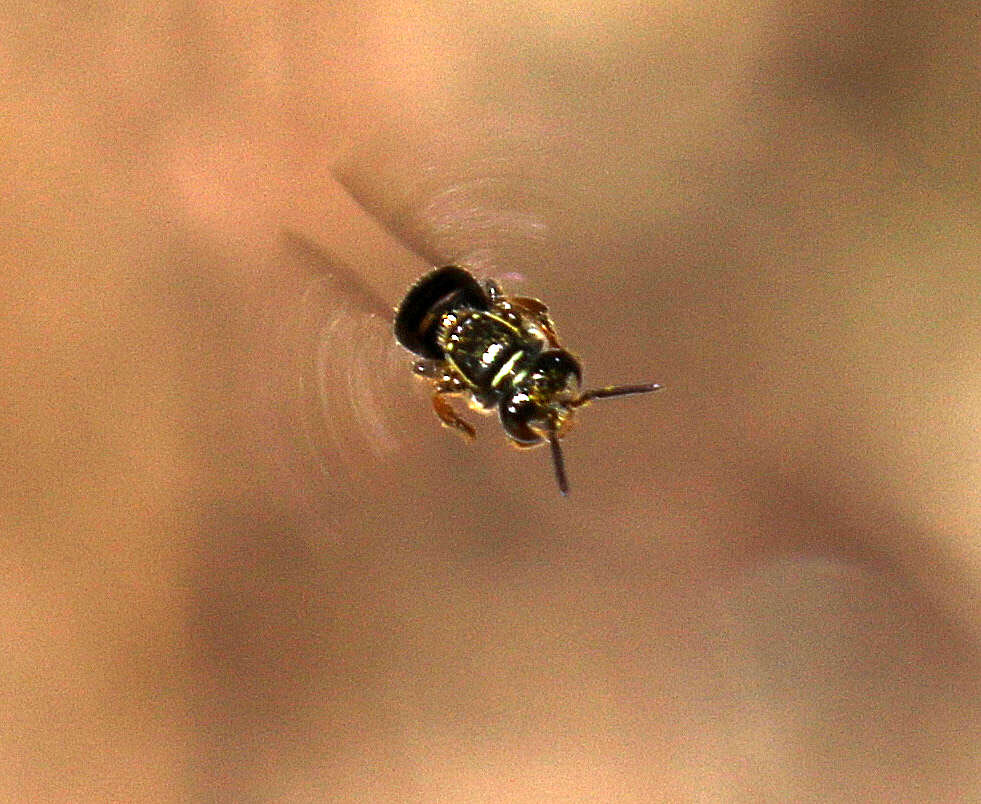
(765, 586)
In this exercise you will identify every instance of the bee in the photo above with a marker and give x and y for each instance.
(499, 353)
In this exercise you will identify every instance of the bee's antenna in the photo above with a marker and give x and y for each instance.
(614, 390)
(557, 461)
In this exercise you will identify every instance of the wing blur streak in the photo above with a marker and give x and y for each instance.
(456, 196)
(354, 383)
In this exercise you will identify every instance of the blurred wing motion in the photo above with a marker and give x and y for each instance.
(457, 196)
(354, 383)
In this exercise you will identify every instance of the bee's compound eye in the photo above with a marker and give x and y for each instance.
(558, 369)
(517, 414)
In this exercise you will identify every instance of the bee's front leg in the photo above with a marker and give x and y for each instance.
(449, 417)
(445, 384)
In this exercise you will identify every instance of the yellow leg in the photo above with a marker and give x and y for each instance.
(539, 312)
(447, 415)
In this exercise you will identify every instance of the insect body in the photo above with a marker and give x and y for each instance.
(499, 353)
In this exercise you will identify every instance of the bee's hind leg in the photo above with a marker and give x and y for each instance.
(428, 368)
(493, 290)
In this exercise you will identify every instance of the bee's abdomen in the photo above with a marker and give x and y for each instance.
(487, 351)
(418, 319)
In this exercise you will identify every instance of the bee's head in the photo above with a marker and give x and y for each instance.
(541, 406)
(542, 401)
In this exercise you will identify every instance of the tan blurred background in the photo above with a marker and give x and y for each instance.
(765, 585)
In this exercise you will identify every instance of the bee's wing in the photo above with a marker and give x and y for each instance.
(453, 202)
(354, 396)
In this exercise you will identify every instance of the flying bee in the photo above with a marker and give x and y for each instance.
(497, 352)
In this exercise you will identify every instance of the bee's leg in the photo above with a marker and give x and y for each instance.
(445, 384)
(537, 308)
(447, 415)
(538, 311)
(431, 369)
(493, 290)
